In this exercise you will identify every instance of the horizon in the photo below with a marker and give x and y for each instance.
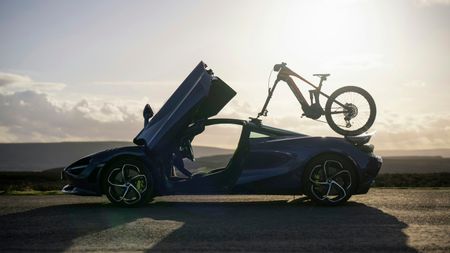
(84, 71)
(202, 146)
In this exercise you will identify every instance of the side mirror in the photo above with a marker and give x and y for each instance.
(147, 113)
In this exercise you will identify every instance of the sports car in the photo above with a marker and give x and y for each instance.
(267, 160)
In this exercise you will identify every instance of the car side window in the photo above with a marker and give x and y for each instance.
(256, 135)
(214, 147)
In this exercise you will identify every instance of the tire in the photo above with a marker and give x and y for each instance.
(128, 182)
(344, 95)
(329, 180)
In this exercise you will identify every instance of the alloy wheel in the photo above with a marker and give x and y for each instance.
(330, 181)
(127, 184)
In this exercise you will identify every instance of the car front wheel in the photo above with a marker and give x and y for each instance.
(128, 182)
(329, 180)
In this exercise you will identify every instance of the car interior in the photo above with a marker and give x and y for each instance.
(185, 164)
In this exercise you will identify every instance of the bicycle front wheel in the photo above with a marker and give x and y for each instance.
(350, 111)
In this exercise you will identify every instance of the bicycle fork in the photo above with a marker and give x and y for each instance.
(264, 111)
(294, 89)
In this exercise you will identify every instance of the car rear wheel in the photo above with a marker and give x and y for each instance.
(329, 180)
(128, 182)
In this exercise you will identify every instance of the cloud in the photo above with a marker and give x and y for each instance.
(393, 130)
(10, 83)
(33, 115)
(238, 109)
(6, 136)
(8, 78)
(30, 116)
(418, 131)
(32, 111)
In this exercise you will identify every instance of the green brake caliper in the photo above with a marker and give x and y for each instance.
(316, 178)
(140, 184)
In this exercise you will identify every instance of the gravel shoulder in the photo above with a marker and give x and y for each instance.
(384, 220)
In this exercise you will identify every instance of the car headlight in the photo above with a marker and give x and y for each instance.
(77, 167)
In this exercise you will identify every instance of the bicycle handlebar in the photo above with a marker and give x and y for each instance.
(277, 67)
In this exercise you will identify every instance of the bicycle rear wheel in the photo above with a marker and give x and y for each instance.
(350, 111)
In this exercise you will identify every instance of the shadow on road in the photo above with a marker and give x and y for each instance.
(194, 226)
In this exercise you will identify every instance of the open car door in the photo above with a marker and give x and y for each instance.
(200, 96)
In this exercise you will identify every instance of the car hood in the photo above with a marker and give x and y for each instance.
(200, 96)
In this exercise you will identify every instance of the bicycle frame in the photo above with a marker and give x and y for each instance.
(285, 74)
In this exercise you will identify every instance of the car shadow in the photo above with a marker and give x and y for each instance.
(210, 226)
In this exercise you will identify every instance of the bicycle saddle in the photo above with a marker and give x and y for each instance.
(321, 75)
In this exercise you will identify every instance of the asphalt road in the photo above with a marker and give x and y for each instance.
(385, 220)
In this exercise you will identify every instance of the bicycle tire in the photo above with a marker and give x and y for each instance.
(346, 89)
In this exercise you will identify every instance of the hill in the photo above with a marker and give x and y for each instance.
(444, 152)
(415, 164)
(43, 156)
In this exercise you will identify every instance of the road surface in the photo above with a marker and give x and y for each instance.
(385, 220)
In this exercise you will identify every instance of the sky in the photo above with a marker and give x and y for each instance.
(83, 70)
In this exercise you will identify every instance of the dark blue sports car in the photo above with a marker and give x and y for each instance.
(267, 160)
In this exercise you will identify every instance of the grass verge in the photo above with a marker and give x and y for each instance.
(49, 182)
(413, 180)
(31, 193)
